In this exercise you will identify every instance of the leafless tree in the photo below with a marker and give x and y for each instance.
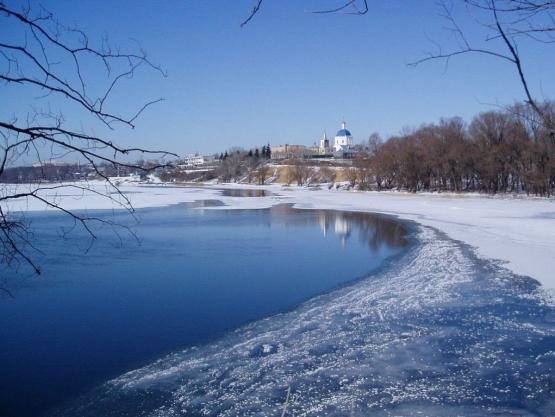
(39, 55)
(351, 175)
(364, 173)
(357, 7)
(234, 166)
(327, 174)
(374, 143)
(262, 173)
(505, 23)
(497, 152)
(300, 172)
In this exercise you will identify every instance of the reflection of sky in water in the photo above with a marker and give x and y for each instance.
(197, 274)
(439, 333)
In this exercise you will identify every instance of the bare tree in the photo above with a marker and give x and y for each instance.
(300, 172)
(262, 173)
(506, 24)
(364, 174)
(53, 61)
(351, 175)
(498, 151)
(374, 143)
(327, 174)
(357, 7)
(237, 165)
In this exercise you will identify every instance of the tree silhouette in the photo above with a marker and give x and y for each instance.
(52, 61)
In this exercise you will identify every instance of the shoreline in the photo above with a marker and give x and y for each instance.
(368, 332)
(518, 232)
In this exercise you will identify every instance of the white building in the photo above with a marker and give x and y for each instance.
(343, 141)
(191, 160)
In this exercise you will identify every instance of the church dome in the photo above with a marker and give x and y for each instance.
(343, 132)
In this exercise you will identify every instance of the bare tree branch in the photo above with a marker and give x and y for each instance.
(52, 59)
(254, 11)
(349, 4)
(521, 17)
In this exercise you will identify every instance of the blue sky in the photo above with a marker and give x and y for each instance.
(289, 74)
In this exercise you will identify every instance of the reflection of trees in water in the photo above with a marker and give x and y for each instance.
(205, 203)
(243, 193)
(372, 229)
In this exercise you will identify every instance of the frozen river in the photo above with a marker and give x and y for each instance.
(196, 275)
(220, 312)
(437, 332)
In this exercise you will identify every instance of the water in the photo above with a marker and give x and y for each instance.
(231, 192)
(196, 275)
(436, 333)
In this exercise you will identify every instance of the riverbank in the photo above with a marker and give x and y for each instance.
(519, 232)
(438, 333)
(442, 331)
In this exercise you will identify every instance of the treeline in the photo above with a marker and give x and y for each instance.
(52, 172)
(240, 165)
(264, 153)
(498, 151)
(178, 175)
(45, 172)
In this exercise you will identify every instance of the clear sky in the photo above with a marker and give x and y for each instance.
(290, 74)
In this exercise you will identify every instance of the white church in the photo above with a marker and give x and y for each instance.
(342, 143)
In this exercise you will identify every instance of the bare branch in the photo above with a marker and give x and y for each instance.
(349, 4)
(51, 59)
(254, 11)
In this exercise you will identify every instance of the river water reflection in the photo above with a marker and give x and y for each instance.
(196, 274)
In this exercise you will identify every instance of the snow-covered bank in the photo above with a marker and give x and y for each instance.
(519, 232)
(437, 333)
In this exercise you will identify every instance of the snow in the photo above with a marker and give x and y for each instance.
(520, 232)
(437, 333)
(440, 331)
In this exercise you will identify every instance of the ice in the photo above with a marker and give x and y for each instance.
(455, 328)
(439, 332)
(519, 231)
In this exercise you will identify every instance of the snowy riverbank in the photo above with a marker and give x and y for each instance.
(520, 232)
(438, 331)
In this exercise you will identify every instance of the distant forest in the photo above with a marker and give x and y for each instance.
(509, 150)
(50, 172)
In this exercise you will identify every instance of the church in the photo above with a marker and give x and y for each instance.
(342, 147)
(342, 143)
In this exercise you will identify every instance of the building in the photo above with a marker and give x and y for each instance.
(324, 148)
(343, 141)
(342, 147)
(191, 161)
(290, 151)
